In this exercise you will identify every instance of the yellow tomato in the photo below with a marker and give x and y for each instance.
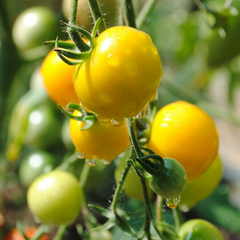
(186, 133)
(58, 79)
(100, 141)
(200, 188)
(121, 76)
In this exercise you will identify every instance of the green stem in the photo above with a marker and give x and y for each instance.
(73, 12)
(84, 175)
(148, 6)
(148, 207)
(60, 232)
(159, 208)
(133, 137)
(130, 15)
(177, 218)
(97, 13)
(119, 188)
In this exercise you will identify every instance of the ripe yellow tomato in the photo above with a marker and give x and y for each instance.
(121, 76)
(58, 79)
(185, 132)
(100, 141)
(201, 187)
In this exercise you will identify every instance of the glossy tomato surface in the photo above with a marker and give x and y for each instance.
(121, 76)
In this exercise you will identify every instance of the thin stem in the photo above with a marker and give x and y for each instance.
(148, 207)
(73, 12)
(119, 188)
(177, 217)
(84, 175)
(148, 6)
(60, 232)
(97, 13)
(130, 15)
(133, 137)
(159, 208)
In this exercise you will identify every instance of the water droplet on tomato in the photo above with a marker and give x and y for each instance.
(117, 123)
(79, 155)
(142, 113)
(106, 162)
(91, 162)
(104, 119)
(173, 202)
(113, 59)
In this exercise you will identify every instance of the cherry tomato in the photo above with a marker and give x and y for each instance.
(58, 79)
(171, 180)
(84, 16)
(199, 229)
(14, 234)
(201, 187)
(132, 186)
(34, 26)
(100, 141)
(34, 164)
(121, 76)
(55, 198)
(43, 127)
(183, 131)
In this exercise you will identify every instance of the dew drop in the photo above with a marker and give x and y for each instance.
(79, 155)
(104, 119)
(112, 60)
(173, 202)
(91, 162)
(142, 113)
(117, 123)
(106, 162)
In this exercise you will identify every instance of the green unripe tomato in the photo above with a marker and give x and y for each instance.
(43, 127)
(198, 229)
(35, 164)
(55, 198)
(34, 26)
(171, 180)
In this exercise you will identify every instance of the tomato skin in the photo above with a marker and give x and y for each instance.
(171, 180)
(121, 76)
(200, 188)
(43, 127)
(183, 131)
(100, 141)
(14, 234)
(34, 26)
(35, 164)
(55, 198)
(58, 79)
(199, 229)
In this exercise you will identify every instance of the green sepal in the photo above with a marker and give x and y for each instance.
(73, 55)
(96, 27)
(70, 115)
(69, 62)
(61, 44)
(89, 121)
(81, 30)
(155, 167)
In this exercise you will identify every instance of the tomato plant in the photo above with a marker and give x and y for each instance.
(199, 229)
(186, 133)
(100, 141)
(58, 79)
(201, 187)
(121, 76)
(34, 164)
(15, 234)
(171, 180)
(34, 26)
(55, 198)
